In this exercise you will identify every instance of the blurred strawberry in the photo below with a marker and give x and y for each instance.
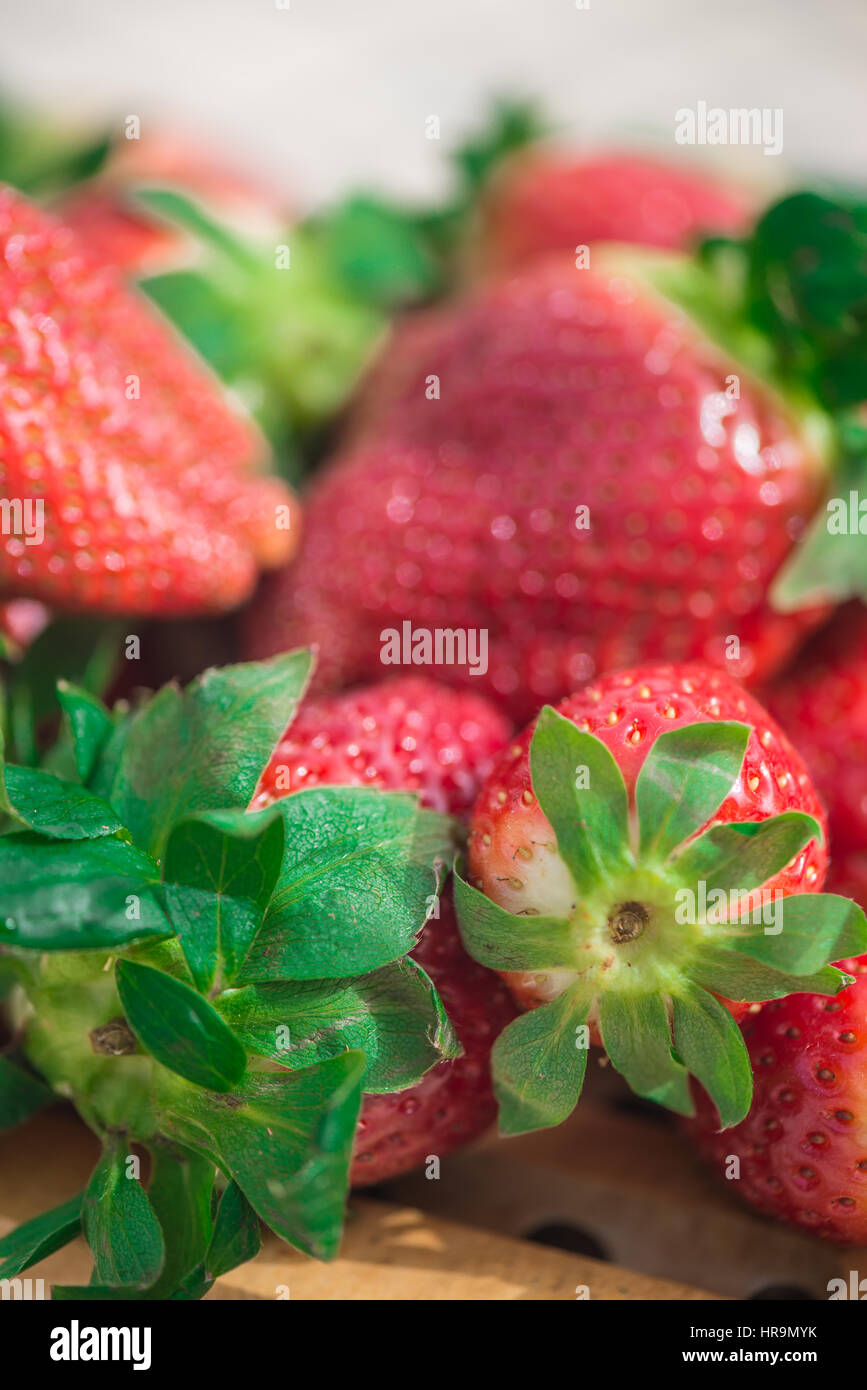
(549, 201)
(131, 486)
(821, 702)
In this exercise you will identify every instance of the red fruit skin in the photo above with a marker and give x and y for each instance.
(151, 487)
(803, 1146)
(551, 202)
(628, 710)
(411, 734)
(558, 390)
(821, 702)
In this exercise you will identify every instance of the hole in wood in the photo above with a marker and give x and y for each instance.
(565, 1237)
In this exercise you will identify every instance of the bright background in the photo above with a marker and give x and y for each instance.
(331, 93)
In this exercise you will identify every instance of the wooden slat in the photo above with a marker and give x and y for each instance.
(389, 1253)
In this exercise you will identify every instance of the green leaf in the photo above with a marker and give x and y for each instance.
(286, 1139)
(745, 855)
(687, 774)
(738, 977)
(829, 565)
(89, 723)
(510, 126)
(393, 1015)
(58, 895)
(83, 650)
(359, 878)
(205, 748)
(180, 1194)
(60, 810)
(35, 1240)
(220, 870)
(235, 1240)
(378, 252)
(179, 1028)
(711, 1046)
(812, 929)
(119, 1223)
(504, 940)
(21, 1094)
(590, 821)
(538, 1064)
(636, 1034)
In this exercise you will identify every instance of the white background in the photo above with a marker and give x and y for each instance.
(331, 93)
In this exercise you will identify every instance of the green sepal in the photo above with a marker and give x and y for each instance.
(687, 774)
(59, 810)
(204, 748)
(538, 1064)
(504, 940)
(636, 1034)
(235, 1240)
(711, 1046)
(829, 564)
(21, 1094)
(815, 928)
(591, 823)
(360, 874)
(744, 855)
(179, 1028)
(740, 978)
(38, 1238)
(393, 1015)
(286, 1139)
(90, 725)
(59, 895)
(180, 1191)
(119, 1222)
(219, 870)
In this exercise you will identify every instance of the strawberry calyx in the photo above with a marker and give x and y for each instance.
(218, 985)
(642, 918)
(788, 304)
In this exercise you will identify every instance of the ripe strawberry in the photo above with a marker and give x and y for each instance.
(821, 702)
(802, 1149)
(644, 847)
(410, 734)
(543, 201)
(584, 489)
(153, 500)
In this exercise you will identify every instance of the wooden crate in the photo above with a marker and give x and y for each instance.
(615, 1182)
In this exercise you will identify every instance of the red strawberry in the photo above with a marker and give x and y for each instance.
(546, 201)
(410, 734)
(584, 490)
(649, 848)
(151, 487)
(509, 857)
(821, 702)
(802, 1150)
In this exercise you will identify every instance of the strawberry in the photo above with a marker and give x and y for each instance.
(410, 734)
(150, 485)
(542, 201)
(821, 702)
(802, 1151)
(653, 842)
(584, 490)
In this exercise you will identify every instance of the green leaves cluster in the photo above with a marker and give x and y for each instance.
(653, 998)
(260, 981)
